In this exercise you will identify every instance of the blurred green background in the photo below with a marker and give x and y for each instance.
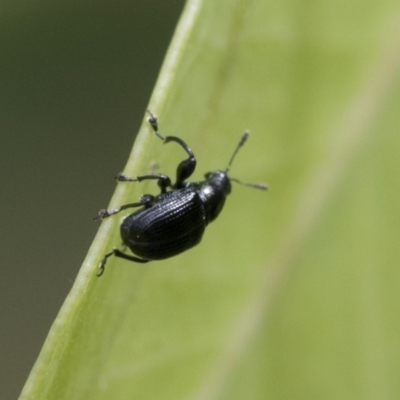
(75, 79)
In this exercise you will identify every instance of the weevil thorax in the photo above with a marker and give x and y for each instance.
(213, 192)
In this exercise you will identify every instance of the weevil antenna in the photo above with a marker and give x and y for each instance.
(242, 141)
(262, 186)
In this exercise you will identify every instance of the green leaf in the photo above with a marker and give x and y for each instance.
(292, 293)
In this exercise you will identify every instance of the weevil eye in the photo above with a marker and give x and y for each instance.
(207, 175)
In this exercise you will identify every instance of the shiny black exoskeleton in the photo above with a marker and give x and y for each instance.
(175, 220)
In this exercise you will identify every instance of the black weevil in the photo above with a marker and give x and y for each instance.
(175, 220)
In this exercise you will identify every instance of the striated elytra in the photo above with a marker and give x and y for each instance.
(176, 219)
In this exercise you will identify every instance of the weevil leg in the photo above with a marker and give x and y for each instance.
(163, 180)
(153, 120)
(121, 254)
(186, 167)
(146, 200)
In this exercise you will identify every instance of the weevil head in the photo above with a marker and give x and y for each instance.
(220, 181)
(213, 192)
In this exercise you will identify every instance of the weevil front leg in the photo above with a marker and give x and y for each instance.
(186, 167)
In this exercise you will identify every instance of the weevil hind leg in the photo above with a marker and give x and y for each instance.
(118, 253)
